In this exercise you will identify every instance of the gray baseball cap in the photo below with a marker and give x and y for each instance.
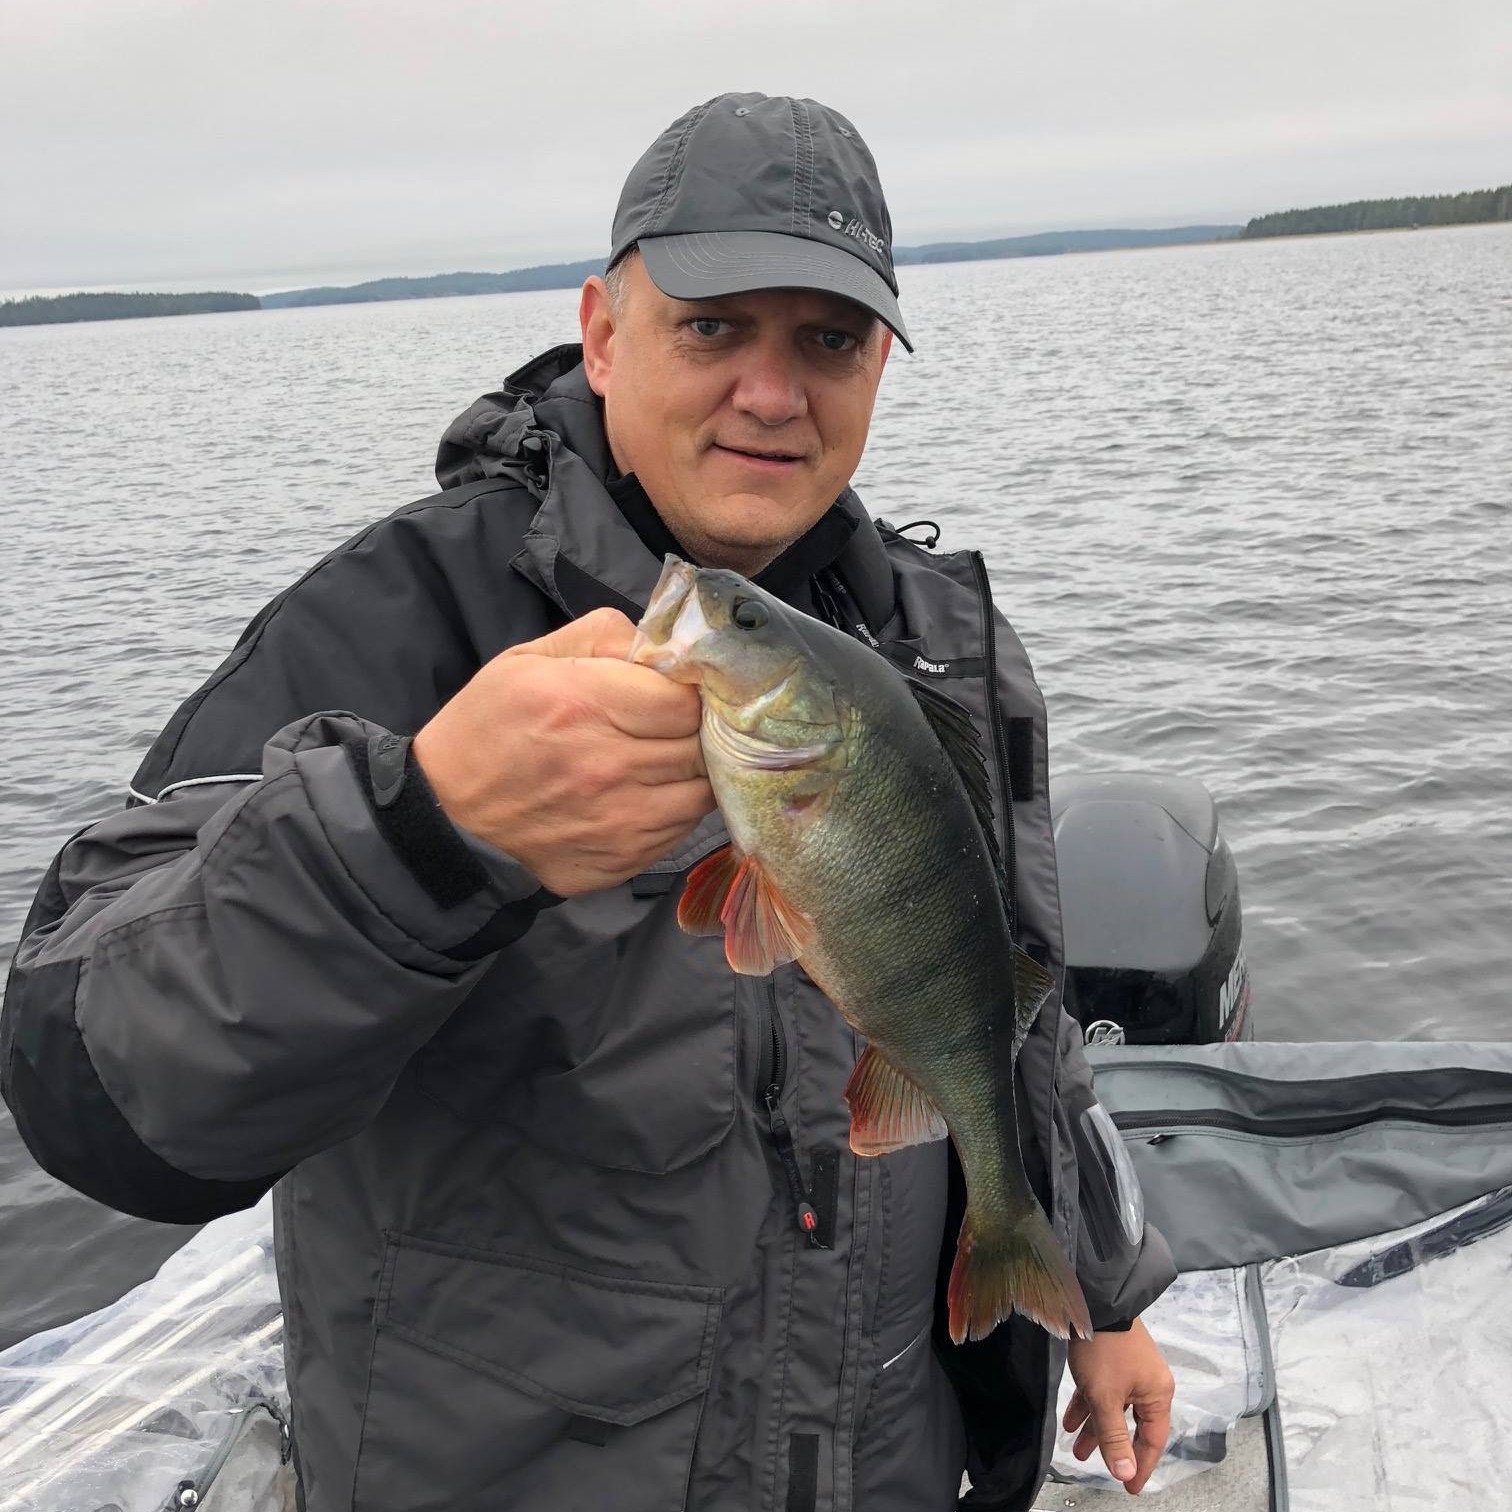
(751, 192)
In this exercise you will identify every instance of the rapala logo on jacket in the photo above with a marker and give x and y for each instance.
(857, 229)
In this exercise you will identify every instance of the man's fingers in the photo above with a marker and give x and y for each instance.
(1113, 1439)
(604, 632)
(679, 806)
(680, 760)
(638, 701)
(1152, 1428)
(1076, 1412)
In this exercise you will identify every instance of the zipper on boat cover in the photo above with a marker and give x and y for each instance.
(775, 1077)
(1310, 1125)
(1327, 1086)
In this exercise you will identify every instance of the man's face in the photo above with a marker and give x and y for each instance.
(743, 417)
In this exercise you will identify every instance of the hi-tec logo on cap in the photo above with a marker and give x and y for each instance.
(857, 229)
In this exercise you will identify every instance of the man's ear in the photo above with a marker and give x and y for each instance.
(596, 319)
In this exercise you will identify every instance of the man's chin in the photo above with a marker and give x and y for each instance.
(745, 531)
(757, 519)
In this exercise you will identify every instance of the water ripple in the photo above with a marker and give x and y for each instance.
(1248, 506)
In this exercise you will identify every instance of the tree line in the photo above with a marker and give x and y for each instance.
(59, 309)
(1388, 214)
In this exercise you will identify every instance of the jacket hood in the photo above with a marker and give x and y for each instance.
(550, 392)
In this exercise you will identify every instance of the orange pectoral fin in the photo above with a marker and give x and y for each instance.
(888, 1111)
(700, 908)
(733, 896)
(762, 929)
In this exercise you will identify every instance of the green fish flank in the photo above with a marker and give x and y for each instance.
(856, 850)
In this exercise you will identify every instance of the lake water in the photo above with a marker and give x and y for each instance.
(1250, 506)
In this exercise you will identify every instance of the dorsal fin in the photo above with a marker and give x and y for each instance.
(957, 734)
(1032, 984)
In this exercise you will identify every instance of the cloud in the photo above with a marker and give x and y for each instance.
(178, 140)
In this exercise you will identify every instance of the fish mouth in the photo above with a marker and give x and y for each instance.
(673, 623)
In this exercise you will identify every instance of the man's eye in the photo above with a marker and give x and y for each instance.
(837, 341)
(706, 325)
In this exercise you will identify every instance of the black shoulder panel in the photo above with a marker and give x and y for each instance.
(71, 1126)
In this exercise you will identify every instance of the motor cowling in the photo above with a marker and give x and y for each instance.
(1150, 909)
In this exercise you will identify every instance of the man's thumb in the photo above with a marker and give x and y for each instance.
(604, 632)
(1113, 1441)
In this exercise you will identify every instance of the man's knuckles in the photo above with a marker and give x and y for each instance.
(601, 632)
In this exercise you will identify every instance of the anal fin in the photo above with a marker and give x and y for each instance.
(888, 1111)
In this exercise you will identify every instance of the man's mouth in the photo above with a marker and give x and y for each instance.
(760, 458)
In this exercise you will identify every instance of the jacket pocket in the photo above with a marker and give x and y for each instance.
(910, 1447)
(505, 1384)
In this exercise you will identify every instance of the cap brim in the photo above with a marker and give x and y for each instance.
(710, 264)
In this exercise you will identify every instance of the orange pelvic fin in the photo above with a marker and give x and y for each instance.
(888, 1111)
(762, 929)
(1017, 1267)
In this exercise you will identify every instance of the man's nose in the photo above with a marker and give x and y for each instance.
(770, 386)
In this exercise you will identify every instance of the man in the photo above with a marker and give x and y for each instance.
(541, 1157)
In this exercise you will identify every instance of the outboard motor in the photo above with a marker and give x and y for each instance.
(1150, 906)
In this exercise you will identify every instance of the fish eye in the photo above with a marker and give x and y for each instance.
(749, 614)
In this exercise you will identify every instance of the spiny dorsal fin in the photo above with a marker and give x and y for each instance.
(958, 738)
(957, 734)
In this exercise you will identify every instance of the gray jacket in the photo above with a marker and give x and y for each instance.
(536, 1232)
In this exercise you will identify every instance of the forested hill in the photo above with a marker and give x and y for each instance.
(62, 308)
(441, 285)
(571, 275)
(1388, 214)
(1052, 243)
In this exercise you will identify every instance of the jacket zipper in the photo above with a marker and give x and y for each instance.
(1310, 1125)
(999, 738)
(782, 1135)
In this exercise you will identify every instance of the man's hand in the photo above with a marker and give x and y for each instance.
(579, 765)
(1113, 1371)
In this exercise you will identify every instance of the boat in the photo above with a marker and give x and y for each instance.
(1341, 1216)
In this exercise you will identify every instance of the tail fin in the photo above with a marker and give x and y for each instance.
(1015, 1267)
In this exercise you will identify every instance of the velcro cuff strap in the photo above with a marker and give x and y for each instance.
(412, 821)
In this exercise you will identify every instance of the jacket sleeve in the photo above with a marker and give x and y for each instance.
(1122, 1262)
(217, 984)
(230, 974)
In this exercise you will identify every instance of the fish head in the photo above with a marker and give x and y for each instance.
(771, 704)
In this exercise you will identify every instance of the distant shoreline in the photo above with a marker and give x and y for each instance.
(1411, 213)
(70, 308)
(1424, 212)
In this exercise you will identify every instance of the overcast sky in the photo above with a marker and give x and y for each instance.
(266, 143)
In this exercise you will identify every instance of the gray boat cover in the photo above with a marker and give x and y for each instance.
(1342, 1217)
(1341, 1213)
